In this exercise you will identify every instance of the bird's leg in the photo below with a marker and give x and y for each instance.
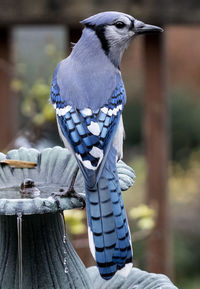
(71, 191)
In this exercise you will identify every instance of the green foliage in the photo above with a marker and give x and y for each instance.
(184, 123)
(37, 54)
(75, 221)
(186, 260)
(132, 116)
(35, 105)
(185, 120)
(144, 215)
(139, 253)
(184, 185)
(189, 283)
(184, 182)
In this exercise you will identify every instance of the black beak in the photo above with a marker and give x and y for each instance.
(142, 28)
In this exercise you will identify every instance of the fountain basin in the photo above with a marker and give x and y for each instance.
(137, 279)
(54, 171)
(35, 251)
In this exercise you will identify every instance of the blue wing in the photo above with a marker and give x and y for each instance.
(89, 132)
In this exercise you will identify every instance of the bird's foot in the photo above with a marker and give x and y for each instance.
(70, 193)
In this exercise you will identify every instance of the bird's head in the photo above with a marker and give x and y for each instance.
(115, 30)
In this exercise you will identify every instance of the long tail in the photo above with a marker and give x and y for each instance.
(108, 229)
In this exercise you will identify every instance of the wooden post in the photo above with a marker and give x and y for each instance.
(156, 146)
(6, 114)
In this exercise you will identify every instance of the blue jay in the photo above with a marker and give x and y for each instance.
(88, 95)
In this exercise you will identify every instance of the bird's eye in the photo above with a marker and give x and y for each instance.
(120, 24)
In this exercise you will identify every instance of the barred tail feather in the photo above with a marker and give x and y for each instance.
(108, 229)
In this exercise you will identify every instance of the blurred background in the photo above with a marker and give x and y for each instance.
(162, 117)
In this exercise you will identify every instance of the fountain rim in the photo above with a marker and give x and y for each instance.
(62, 162)
(36, 205)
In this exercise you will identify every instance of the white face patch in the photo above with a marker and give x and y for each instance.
(119, 36)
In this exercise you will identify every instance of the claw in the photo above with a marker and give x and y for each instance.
(70, 193)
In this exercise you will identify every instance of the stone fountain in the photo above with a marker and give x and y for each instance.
(35, 252)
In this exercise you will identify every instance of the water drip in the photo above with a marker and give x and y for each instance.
(66, 270)
(19, 238)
